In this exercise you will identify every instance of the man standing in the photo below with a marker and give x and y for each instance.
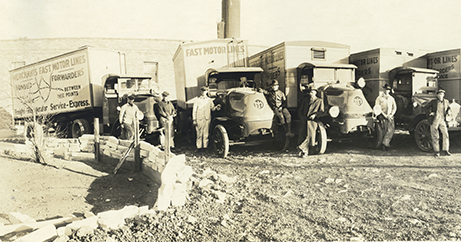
(277, 101)
(314, 109)
(167, 112)
(127, 118)
(386, 103)
(438, 109)
(201, 117)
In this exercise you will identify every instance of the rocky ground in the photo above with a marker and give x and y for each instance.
(350, 193)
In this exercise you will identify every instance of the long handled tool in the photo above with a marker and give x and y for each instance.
(125, 155)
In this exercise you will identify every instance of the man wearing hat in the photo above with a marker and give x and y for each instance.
(386, 103)
(127, 117)
(201, 117)
(438, 109)
(167, 112)
(277, 101)
(313, 110)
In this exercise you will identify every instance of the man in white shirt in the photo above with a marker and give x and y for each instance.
(386, 119)
(201, 117)
(127, 118)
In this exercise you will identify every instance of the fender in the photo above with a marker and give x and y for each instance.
(415, 121)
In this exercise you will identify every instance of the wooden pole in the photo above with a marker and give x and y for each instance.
(137, 147)
(97, 147)
(167, 141)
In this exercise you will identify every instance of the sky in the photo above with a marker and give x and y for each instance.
(362, 24)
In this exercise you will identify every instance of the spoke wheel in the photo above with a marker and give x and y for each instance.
(321, 141)
(221, 141)
(423, 135)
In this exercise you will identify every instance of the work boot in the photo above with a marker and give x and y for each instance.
(447, 153)
(437, 154)
(288, 131)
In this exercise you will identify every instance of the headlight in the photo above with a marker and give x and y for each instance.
(361, 82)
(415, 104)
(118, 108)
(334, 111)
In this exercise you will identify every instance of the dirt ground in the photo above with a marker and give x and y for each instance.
(349, 193)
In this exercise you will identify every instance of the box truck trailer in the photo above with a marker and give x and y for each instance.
(68, 91)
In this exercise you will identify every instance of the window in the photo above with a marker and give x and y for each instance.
(318, 53)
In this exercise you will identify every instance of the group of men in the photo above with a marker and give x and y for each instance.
(309, 111)
(129, 112)
(437, 110)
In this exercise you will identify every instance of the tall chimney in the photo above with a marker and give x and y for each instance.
(230, 19)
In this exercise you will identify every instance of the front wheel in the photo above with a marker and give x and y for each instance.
(221, 140)
(423, 135)
(320, 141)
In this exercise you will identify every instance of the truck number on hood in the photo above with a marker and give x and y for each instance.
(358, 101)
(258, 104)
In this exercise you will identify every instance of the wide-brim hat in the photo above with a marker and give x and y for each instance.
(440, 91)
(274, 82)
(165, 94)
(131, 97)
(204, 88)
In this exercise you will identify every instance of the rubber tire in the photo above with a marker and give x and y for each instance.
(80, 127)
(220, 141)
(321, 139)
(423, 135)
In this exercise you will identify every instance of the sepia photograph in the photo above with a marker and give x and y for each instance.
(230, 120)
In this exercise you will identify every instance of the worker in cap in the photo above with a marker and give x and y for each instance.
(277, 101)
(127, 118)
(438, 110)
(386, 124)
(201, 117)
(314, 110)
(167, 112)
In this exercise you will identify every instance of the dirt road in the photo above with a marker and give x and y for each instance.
(258, 194)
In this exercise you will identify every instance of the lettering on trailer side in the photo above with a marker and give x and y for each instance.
(366, 67)
(447, 65)
(214, 50)
(55, 85)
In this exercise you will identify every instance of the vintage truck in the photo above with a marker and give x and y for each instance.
(415, 77)
(413, 88)
(296, 64)
(67, 92)
(221, 65)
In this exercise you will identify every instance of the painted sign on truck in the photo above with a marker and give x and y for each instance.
(51, 86)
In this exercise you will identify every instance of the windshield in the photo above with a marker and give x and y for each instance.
(134, 84)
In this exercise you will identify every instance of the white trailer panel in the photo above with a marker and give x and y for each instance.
(62, 84)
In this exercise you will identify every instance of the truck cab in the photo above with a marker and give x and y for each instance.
(413, 89)
(244, 111)
(346, 110)
(116, 90)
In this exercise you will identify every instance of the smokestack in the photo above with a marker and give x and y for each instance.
(230, 19)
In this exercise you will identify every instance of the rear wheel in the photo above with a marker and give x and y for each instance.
(80, 127)
(220, 141)
(423, 135)
(320, 140)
